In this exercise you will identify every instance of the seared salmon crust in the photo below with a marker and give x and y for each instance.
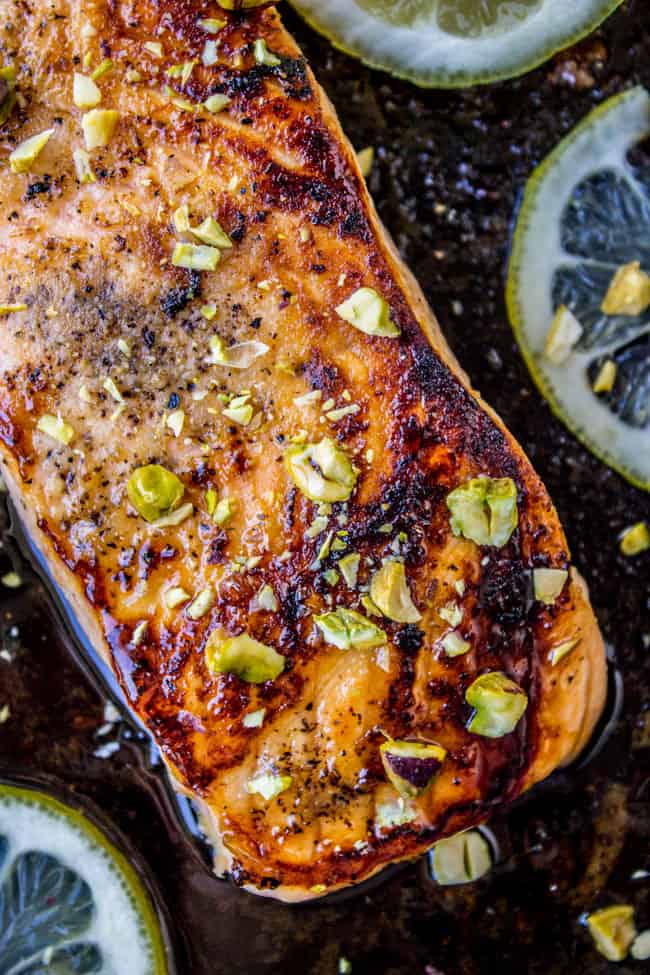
(181, 287)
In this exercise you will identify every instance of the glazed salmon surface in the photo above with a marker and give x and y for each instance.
(129, 357)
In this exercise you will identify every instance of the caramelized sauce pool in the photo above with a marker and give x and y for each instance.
(449, 169)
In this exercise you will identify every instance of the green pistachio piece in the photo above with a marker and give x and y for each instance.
(461, 859)
(269, 786)
(369, 312)
(411, 766)
(21, 159)
(248, 659)
(613, 930)
(85, 93)
(196, 257)
(484, 510)
(548, 584)
(396, 812)
(211, 232)
(154, 492)
(498, 705)
(264, 56)
(322, 471)
(562, 650)
(56, 428)
(254, 719)
(390, 593)
(454, 645)
(98, 127)
(635, 539)
(349, 630)
(349, 568)
(216, 103)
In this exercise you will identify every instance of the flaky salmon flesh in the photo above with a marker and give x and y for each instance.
(324, 574)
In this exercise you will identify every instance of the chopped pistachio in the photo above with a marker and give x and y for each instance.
(461, 859)
(484, 510)
(10, 309)
(349, 630)
(241, 4)
(604, 382)
(98, 127)
(640, 949)
(201, 604)
(175, 421)
(139, 633)
(181, 219)
(243, 656)
(210, 53)
(459, 586)
(367, 311)
(102, 68)
(242, 355)
(548, 584)
(196, 257)
(56, 428)
(11, 580)
(564, 334)
(175, 517)
(266, 599)
(212, 25)
(82, 166)
(211, 232)
(111, 388)
(85, 93)
(264, 56)
(613, 930)
(224, 511)
(349, 568)
(335, 415)
(318, 889)
(183, 103)
(628, 292)
(331, 577)
(124, 347)
(390, 593)
(154, 492)
(239, 412)
(369, 606)
(208, 311)
(635, 539)
(133, 76)
(308, 398)
(411, 766)
(175, 597)
(345, 966)
(454, 645)
(321, 471)
(558, 653)
(254, 719)
(269, 786)
(451, 613)
(216, 103)
(154, 48)
(498, 702)
(398, 812)
(365, 158)
(21, 159)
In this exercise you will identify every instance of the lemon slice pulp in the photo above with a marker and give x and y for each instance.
(584, 223)
(454, 43)
(71, 903)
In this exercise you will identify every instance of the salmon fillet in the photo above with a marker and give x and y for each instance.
(198, 283)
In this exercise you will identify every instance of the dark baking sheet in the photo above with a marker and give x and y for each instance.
(450, 168)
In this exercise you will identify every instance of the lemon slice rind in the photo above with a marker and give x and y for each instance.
(124, 925)
(598, 144)
(430, 57)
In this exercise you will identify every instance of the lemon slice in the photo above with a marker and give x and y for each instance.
(585, 217)
(70, 902)
(454, 43)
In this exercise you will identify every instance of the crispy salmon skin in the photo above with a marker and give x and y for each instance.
(227, 417)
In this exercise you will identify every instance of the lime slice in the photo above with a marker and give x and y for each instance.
(454, 43)
(585, 215)
(70, 902)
